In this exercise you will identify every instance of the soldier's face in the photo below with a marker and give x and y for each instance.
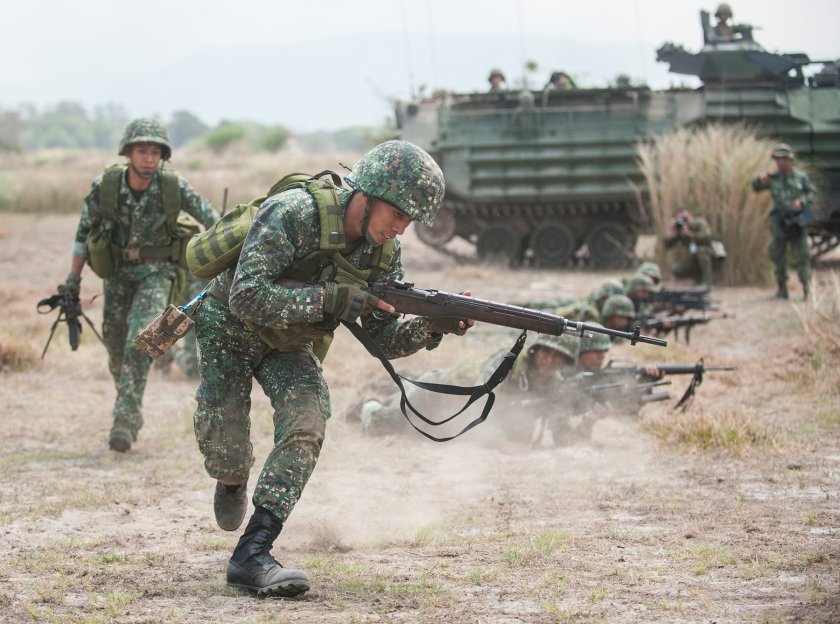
(144, 158)
(784, 165)
(617, 322)
(386, 222)
(591, 360)
(546, 362)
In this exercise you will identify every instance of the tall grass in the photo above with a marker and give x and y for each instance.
(708, 171)
(56, 181)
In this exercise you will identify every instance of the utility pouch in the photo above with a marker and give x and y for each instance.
(103, 255)
(165, 330)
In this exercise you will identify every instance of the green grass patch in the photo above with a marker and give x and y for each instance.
(729, 431)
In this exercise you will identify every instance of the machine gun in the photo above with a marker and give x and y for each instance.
(676, 300)
(695, 370)
(663, 325)
(69, 311)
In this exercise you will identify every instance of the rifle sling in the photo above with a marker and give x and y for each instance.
(474, 392)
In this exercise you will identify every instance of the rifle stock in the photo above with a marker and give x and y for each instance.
(407, 299)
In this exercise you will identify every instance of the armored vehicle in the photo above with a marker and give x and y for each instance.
(550, 178)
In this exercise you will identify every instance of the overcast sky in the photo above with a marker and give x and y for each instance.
(339, 63)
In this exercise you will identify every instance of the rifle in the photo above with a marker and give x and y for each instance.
(696, 370)
(677, 299)
(70, 309)
(662, 325)
(407, 299)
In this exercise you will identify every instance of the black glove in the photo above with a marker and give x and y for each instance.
(447, 325)
(72, 283)
(347, 301)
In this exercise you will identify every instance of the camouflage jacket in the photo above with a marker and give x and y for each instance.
(285, 230)
(138, 219)
(786, 189)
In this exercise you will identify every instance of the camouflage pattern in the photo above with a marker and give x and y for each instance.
(133, 298)
(136, 293)
(565, 344)
(403, 175)
(609, 287)
(164, 331)
(284, 231)
(185, 352)
(136, 218)
(785, 190)
(595, 341)
(640, 283)
(618, 305)
(694, 257)
(579, 310)
(145, 130)
(783, 150)
(652, 270)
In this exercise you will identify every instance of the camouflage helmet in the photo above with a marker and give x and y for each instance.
(495, 72)
(783, 150)
(566, 344)
(618, 305)
(610, 287)
(403, 175)
(652, 270)
(641, 283)
(723, 9)
(595, 341)
(145, 130)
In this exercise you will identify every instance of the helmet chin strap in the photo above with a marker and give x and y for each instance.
(365, 220)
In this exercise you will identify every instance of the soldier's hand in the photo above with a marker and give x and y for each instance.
(73, 283)
(797, 204)
(348, 301)
(451, 324)
(653, 372)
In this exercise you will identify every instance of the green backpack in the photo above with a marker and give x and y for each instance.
(216, 249)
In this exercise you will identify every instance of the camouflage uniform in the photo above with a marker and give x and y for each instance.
(785, 190)
(284, 231)
(694, 252)
(137, 292)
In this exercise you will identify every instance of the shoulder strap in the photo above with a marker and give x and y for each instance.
(171, 195)
(473, 392)
(109, 192)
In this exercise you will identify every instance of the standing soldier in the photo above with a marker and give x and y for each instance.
(255, 325)
(793, 195)
(129, 234)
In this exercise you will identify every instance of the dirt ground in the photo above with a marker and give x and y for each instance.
(628, 527)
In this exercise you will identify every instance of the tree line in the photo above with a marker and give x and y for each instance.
(69, 125)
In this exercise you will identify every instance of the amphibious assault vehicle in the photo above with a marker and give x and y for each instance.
(550, 178)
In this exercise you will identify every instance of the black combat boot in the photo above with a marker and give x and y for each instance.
(121, 438)
(252, 567)
(230, 502)
(782, 293)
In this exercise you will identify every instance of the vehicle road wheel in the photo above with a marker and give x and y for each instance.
(440, 233)
(552, 244)
(499, 243)
(610, 245)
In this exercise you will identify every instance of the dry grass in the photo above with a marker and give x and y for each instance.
(708, 171)
(16, 353)
(56, 181)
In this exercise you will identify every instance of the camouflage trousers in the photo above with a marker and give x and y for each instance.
(797, 238)
(133, 297)
(185, 351)
(231, 357)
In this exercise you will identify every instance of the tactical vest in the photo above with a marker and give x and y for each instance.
(105, 256)
(217, 249)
